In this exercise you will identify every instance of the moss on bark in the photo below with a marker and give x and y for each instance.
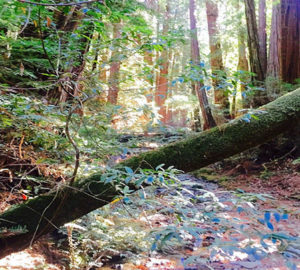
(226, 140)
(46, 212)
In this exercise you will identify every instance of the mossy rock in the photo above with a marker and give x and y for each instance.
(209, 174)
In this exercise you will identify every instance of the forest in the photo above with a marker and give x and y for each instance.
(149, 134)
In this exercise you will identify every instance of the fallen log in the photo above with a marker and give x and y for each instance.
(22, 224)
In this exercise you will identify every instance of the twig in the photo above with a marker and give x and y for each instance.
(20, 146)
(41, 218)
(9, 173)
(26, 22)
(280, 158)
(60, 4)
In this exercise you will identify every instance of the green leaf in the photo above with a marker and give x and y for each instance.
(129, 170)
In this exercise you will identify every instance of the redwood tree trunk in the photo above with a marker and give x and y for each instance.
(290, 40)
(148, 59)
(253, 41)
(273, 60)
(114, 71)
(243, 65)
(216, 60)
(256, 63)
(162, 81)
(208, 120)
(273, 83)
(45, 213)
(262, 34)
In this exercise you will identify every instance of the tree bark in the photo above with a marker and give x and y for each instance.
(148, 59)
(114, 71)
(161, 92)
(285, 41)
(273, 69)
(243, 65)
(43, 214)
(208, 120)
(290, 40)
(256, 63)
(253, 41)
(262, 34)
(243, 61)
(216, 61)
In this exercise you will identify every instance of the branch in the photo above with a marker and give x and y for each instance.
(60, 4)
(71, 140)
(26, 22)
(77, 151)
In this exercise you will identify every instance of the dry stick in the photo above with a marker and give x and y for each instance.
(61, 4)
(279, 158)
(41, 218)
(20, 146)
(9, 173)
(88, 194)
(33, 210)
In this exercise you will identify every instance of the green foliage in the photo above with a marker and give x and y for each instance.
(176, 213)
(24, 116)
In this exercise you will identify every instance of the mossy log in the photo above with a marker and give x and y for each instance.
(47, 212)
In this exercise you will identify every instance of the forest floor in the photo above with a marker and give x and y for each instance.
(255, 225)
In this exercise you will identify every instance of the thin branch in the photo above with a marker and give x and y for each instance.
(41, 218)
(20, 146)
(43, 42)
(77, 151)
(71, 140)
(26, 22)
(60, 4)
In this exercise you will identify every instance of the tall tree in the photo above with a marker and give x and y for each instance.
(262, 34)
(273, 69)
(253, 41)
(284, 54)
(114, 71)
(216, 60)
(243, 64)
(148, 59)
(208, 120)
(255, 54)
(161, 92)
(290, 40)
